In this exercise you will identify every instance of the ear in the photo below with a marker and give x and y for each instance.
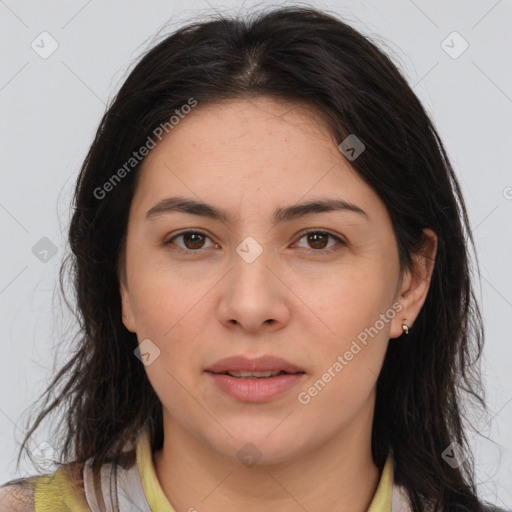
(126, 306)
(415, 285)
(127, 310)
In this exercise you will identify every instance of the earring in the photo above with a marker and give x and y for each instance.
(405, 328)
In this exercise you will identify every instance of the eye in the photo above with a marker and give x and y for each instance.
(194, 241)
(319, 239)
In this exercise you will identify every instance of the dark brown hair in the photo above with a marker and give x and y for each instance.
(310, 57)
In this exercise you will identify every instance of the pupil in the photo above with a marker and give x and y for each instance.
(194, 244)
(313, 236)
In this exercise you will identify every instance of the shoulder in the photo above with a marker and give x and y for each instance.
(55, 492)
(17, 497)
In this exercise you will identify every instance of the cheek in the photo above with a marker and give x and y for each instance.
(350, 299)
(345, 373)
(355, 306)
(172, 311)
(164, 296)
(164, 318)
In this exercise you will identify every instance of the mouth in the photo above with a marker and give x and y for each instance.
(255, 380)
(256, 375)
(262, 367)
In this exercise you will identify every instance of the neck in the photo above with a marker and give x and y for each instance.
(339, 475)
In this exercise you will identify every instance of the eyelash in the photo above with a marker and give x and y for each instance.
(301, 235)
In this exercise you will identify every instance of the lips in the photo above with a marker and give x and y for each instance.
(255, 380)
(260, 367)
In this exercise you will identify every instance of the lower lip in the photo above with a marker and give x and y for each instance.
(255, 390)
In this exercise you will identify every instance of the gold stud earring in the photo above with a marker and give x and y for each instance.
(405, 328)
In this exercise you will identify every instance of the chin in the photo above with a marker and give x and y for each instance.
(255, 445)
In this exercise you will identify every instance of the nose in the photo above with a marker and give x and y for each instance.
(254, 296)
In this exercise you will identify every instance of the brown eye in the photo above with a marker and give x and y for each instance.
(318, 241)
(193, 241)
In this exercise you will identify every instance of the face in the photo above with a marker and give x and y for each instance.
(320, 289)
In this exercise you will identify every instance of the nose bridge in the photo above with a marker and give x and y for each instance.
(250, 250)
(251, 263)
(252, 297)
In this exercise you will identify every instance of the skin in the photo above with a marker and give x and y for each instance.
(250, 157)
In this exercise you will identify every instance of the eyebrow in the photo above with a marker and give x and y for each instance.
(193, 207)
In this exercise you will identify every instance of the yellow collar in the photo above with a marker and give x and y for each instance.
(154, 495)
(157, 500)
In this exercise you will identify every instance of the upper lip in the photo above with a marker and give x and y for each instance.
(258, 364)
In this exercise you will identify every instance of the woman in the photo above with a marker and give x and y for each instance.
(273, 282)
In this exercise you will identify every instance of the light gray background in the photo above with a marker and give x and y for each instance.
(50, 109)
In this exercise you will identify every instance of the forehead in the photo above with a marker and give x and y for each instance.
(260, 125)
(250, 151)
